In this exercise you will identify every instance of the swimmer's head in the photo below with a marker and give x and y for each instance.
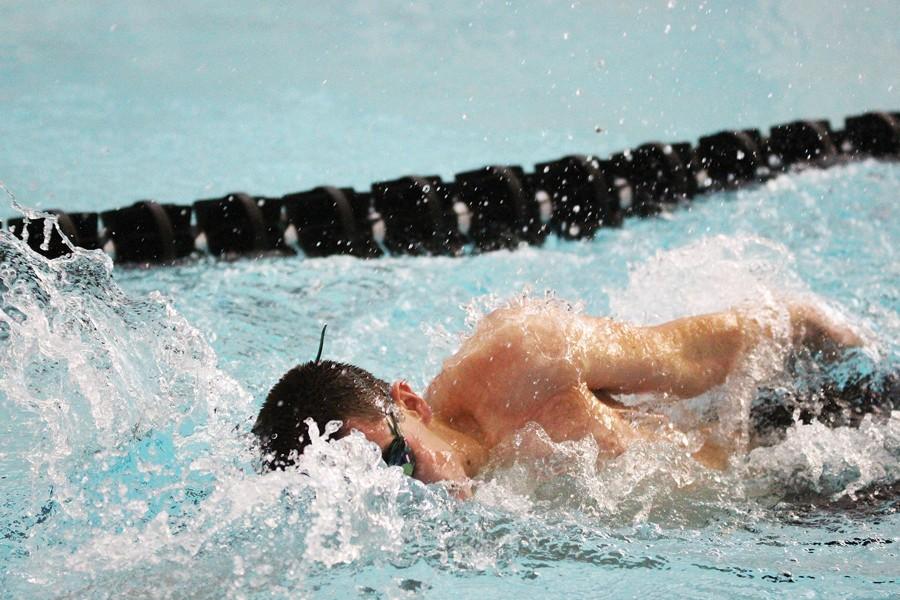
(394, 417)
(324, 391)
(330, 391)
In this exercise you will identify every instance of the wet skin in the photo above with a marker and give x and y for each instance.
(560, 370)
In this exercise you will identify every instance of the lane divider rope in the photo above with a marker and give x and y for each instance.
(497, 206)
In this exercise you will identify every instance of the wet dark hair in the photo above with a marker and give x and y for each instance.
(324, 391)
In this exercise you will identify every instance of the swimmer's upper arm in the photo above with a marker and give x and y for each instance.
(518, 354)
(684, 358)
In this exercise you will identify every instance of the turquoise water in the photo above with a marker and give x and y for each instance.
(126, 394)
(105, 103)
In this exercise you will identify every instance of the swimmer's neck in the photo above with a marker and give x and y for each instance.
(471, 454)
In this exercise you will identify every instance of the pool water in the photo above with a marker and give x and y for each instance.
(127, 394)
(106, 103)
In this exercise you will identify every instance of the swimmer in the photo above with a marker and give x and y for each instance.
(543, 365)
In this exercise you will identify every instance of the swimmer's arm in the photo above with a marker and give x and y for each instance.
(689, 356)
(684, 358)
(812, 328)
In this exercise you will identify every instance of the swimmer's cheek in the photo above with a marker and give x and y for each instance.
(461, 490)
(434, 467)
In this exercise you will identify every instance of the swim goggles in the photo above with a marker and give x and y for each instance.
(398, 453)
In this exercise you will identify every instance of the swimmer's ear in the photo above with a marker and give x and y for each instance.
(404, 396)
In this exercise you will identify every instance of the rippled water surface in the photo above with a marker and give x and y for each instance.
(106, 102)
(127, 396)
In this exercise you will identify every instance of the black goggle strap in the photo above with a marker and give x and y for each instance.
(398, 453)
(321, 342)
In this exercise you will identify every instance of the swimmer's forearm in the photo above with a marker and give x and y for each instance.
(689, 356)
(698, 353)
(813, 329)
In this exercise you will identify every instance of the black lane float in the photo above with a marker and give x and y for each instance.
(494, 207)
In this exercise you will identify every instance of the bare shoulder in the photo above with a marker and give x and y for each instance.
(466, 370)
(515, 357)
(500, 329)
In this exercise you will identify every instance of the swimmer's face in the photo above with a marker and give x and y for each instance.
(435, 459)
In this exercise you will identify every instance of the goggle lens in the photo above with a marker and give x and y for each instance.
(398, 453)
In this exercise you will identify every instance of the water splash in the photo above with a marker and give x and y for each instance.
(708, 275)
(129, 470)
(113, 408)
(817, 463)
